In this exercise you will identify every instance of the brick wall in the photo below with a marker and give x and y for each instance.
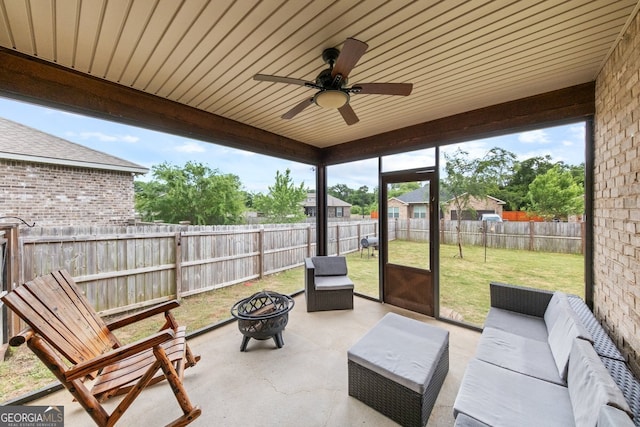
(51, 195)
(403, 209)
(617, 195)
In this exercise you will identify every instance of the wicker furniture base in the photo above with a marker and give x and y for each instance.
(388, 396)
(397, 402)
(338, 296)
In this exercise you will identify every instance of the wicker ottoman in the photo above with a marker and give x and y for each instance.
(398, 367)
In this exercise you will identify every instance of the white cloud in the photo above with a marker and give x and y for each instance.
(474, 149)
(534, 137)
(49, 111)
(129, 138)
(410, 160)
(567, 143)
(190, 147)
(103, 137)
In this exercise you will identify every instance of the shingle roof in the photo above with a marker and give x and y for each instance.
(420, 195)
(331, 201)
(20, 142)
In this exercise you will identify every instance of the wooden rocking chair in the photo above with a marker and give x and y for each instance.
(64, 325)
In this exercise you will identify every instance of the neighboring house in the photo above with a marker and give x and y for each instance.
(336, 208)
(414, 204)
(481, 206)
(54, 182)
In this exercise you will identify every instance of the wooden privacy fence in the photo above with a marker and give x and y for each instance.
(123, 268)
(559, 237)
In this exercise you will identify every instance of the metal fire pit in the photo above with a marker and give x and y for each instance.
(263, 315)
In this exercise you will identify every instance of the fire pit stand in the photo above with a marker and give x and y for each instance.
(263, 315)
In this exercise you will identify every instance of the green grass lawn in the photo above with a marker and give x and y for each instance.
(464, 282)
(464, 289)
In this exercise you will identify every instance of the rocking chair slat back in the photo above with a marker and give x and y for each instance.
(57, 312)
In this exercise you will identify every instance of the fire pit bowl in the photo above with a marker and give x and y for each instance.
(263, 315)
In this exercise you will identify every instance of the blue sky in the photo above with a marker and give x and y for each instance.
(256, 172)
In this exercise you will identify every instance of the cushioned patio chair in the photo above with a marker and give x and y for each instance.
(76, 344)
(327, 286)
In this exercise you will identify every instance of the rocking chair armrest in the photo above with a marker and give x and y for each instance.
(88, 366)
(136, 317)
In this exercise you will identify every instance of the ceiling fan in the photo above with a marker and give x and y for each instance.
(332, 82)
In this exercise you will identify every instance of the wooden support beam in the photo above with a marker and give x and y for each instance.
(562, 106)
(40, 82)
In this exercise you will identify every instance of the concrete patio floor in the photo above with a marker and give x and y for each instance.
(304, 383)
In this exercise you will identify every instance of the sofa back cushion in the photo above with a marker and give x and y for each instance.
(563, 326)
(556, 305)
(590, 385)
(330, 265)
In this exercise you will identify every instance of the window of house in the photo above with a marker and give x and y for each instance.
(339, 212)
(420, 211)
(394, 212)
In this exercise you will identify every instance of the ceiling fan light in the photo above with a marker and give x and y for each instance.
(331, 98)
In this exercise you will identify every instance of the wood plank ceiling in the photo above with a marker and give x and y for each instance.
(459, 55)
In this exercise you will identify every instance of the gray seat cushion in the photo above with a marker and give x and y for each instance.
(332, 283)
(524, 355)
(401, 349)
(330, 265)
(500, 397)
(557, 304)
(516, 323)
(565, 328)
(590, 385)
(463, 420)
(613, 417)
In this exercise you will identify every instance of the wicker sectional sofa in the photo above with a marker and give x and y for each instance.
(543, 359)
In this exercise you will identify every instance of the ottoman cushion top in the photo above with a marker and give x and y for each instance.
(401, 349)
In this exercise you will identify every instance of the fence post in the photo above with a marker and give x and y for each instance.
(261, 257)
(178, 262)
(442, 231)
(408, 229)
(309, 241)
(583, 236)
(531, 235)
(337, 239)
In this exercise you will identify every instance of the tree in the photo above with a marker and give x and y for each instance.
(398, 189)
(556, 194)
(341, 191)
(466, 179)
(514, 193)
(194, 193)
(283, 203)
(495, 169)
(461, 183)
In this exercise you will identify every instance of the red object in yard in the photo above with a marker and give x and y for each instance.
(520, 216)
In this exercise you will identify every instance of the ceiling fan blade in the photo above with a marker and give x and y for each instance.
(297, 109)
(278, 79)
(348, 114)
(403, 89)
(351, 53)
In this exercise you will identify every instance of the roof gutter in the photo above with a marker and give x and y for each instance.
(73, 163)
